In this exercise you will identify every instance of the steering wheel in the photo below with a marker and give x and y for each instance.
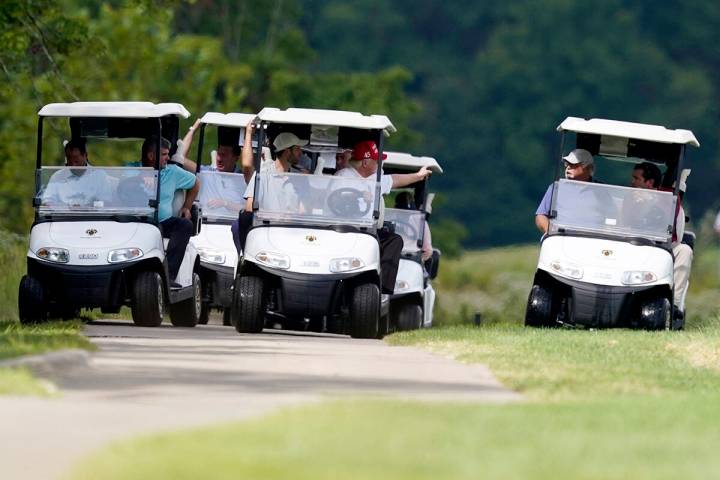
(406, 227)
(346, 202)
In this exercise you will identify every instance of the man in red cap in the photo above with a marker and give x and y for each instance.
(364, 163)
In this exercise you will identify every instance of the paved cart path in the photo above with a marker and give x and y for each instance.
(149, 379)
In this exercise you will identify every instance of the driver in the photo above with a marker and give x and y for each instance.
(580, 166)
(77, 186)
(363, 164)
(405, 201)
(287, 153)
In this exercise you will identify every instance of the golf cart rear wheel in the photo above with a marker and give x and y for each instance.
(204, 314)
(540, 311)
(409, 317)
(248, 309)
(365, 311)
(656, 314)
(187, 313)
(148, 300)
(31, 301)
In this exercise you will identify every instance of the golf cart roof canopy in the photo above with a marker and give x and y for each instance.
(114, 110)
(411, 162)
(330, 118)
(239, 120)
(628, 131)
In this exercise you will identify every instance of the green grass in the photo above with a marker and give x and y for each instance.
(12, 258)
(613, 404)
(17, 340)
(649, 439)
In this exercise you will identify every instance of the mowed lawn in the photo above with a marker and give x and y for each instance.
(614, 404)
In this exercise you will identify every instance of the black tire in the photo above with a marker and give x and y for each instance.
(227, 317)
(32, 307)
(248, 307)
(187, 313)
(204, 314)
(540, 310)
(365, 311)
(656, 314)
(148, 300)
(409, 317)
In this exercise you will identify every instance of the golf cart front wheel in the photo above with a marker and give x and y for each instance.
(31, 301)
(148, 300)
(409, 317)
(188, 312)
(248, 307)
(540, 310)
(365, 311)
(656, 314)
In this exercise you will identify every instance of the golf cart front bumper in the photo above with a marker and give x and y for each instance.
(81, 286)
(602, 306)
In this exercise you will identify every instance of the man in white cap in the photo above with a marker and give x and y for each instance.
(580, 166)
(287, 153)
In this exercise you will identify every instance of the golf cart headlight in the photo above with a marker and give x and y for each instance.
(59, 255)
(124, 254)
(275, 260)
(638, 277)
(211, 256)
(401, 286)
(349, 264)
(567, 269)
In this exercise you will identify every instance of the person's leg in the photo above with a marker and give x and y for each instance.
(681, 274)
(391, 245)
(244, 223)
(179, 231)
(235, 229)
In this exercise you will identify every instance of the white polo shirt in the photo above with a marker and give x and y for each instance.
(385, 180)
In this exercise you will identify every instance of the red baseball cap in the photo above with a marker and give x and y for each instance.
(367, 149)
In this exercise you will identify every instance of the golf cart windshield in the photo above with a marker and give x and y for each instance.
(612, 210)
(92, 191)
(221, 195)
(409, 224)
(315, 199)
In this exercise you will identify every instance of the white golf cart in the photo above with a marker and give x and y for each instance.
(411, 305)
(221, 199)
(95, 241)
(607, 259)
(312, 257)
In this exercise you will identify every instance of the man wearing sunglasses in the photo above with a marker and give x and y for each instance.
(579, 166)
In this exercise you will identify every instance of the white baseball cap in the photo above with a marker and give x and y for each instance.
(579, 155)
(286, 140)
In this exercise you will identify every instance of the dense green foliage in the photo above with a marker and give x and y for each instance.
(480, 86)
(494, 79)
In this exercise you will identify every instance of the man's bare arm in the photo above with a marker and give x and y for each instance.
(400, 180)
(542, 222)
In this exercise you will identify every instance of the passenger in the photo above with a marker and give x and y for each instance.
(405, 201)
(580, 166)
(287, 153)
(342, 158)
(172, 178)
(216, 192)
(647, 175)
(80, 187)
(364, 164)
